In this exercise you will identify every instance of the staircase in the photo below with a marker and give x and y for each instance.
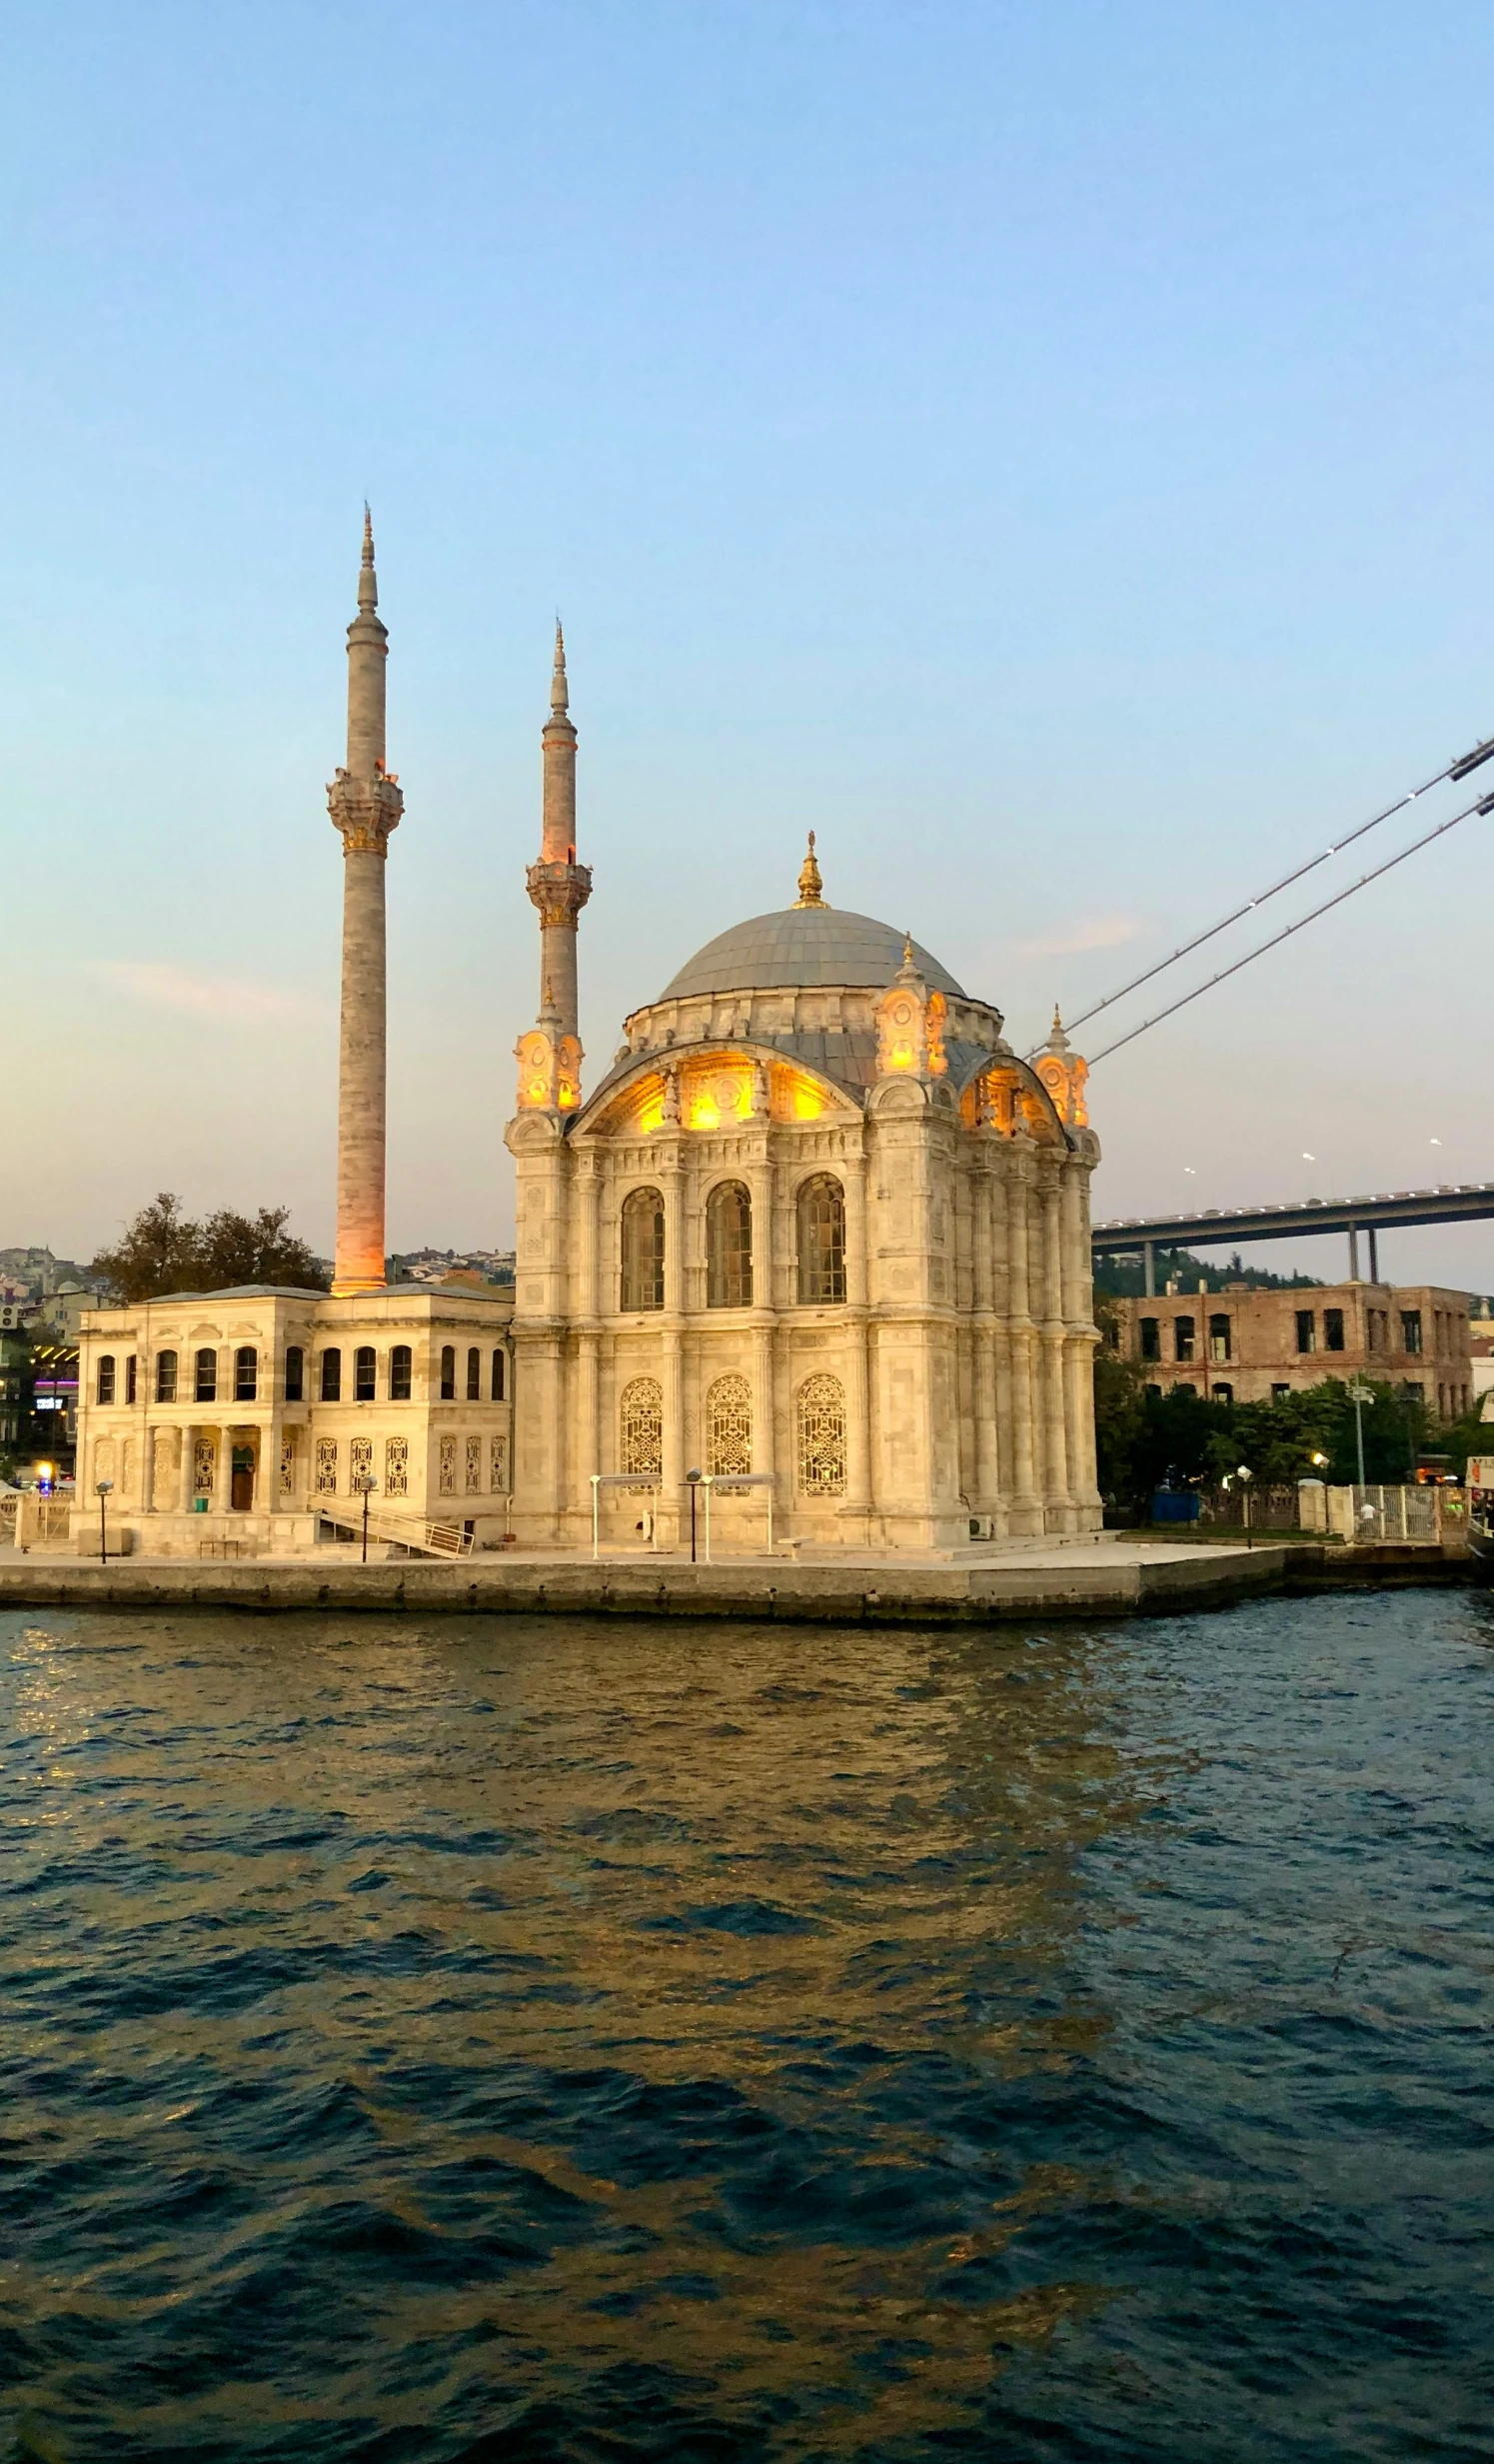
(412, 1533)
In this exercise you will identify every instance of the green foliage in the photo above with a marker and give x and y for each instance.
(1181, 1440)
(162, 1250)
(1118, 1406)
(1124, 1278)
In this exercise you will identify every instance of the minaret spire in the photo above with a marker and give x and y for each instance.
(559, 888)
(364, 803)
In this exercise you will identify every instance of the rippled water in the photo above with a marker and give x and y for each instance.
(519, 2040)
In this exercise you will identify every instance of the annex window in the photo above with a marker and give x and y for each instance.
(1410, 1329)
(166, 1376)
(1280, 1394)
(245, 1373)
(1218, 1338)
(130, 1368)
(447, 1373)
(643, 1249)
(446, 1474)
(332, 1376)
(365, 1374)
(729, 1247)
(1184, 1331)
(104, 1391)
(1307, 1331)
(1152, 1339)
(641, 1428)
(473, 1467)
(822, 1437)
(1185, 1385)
(1333, 1330)
(821, 1240)
(1412, 1392)
(205, 1385)
(396, 1467)
(295, 1373)
(499, 1366)
(1222, 1394)
(398, 1377)
(326, 1465)
(729, 1426)
(473, 1376)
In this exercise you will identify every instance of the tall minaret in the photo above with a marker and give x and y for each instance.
(364, 803)
(559, 888)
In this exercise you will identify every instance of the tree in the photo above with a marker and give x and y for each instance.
(1117, 1411)
(163, 1250)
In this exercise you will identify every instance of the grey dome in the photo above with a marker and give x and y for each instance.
(809, 946)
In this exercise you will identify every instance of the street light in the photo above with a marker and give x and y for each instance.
(366, 1486)
(1359, 1395)
(103, 1488)
(694, 1480)
(1246, 1477)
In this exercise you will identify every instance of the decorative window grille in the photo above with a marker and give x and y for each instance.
(103, 1459)
(474, 1465)
(204, 1467)
(498, 1376)
(729, 1247)
(398, 1373)
(728, 1427)
(822, 1437)
(295, 1373)
(821, 1240)
(447, 1373)
(360, 1460)
(166, 1376)
(365, 1374)
(497, 1463)
(473, 1376)
(332, 1376)
(106, 1378)
(207, 1376)
(288, 1466)
(396, 1467)
(643, 1249)
(641, 1428)
(447, 1476)
(245, 1373)
(127, 1467)
(326, 1467)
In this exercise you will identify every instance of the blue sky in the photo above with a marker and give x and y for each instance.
(1045, 450)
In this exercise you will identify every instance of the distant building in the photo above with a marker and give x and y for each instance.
(1249, 1346)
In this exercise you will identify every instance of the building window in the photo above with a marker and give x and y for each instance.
(204, 1467)
(1333, 1330)
(447, 1472)
(1280, 1394)
(332, 1376)
(641, 1428)
(1185, 1385)
(166, 1376)
(1156, 1390)
(399, 1375)
(498, 1465)
(728, 1427)
(396, 1467)
(129, 1378)
(821, 1240)
(295, 1373)
(643, 1249)
(1307, 1331)
(447, 1373)
(104, 1392)
(1151, 1339)
(473, 1467)
(326, 1467)
(473, 1376)
(360, 1462)
(498, 1376)
(822, 1437)
(729, 1247)
(1183, 1339)
(365, 1374)
(1222, 1394)
(288, 1466)
(1410, 1329)
(206, 1388)
(245, 1373)
(1218, 1338)
(1412, 1392)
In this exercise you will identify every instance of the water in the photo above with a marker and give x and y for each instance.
(518, 2041)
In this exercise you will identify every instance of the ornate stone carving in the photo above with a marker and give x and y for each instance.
(822, 1437)
(365, 810)
(559, 892)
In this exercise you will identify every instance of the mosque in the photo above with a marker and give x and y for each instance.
(814, 1256)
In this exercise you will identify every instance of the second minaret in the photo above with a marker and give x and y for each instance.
(557, 885)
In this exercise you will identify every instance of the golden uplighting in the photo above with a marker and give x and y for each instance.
(808, 1103)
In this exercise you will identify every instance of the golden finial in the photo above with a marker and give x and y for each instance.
(810, 883)
(907, 948)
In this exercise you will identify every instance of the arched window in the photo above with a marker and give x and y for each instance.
(332, 1376)
(643, 1249)
(245, 1373)
(729, 1247)
(205, 1385)
(399, 1375)
(447, 1373)
(105, 1388)
(166, 1376)
(821, 1239)
(498, 1377)
(365, 1374)
(473, 1376)
(640, 1428)
(822, 1437)
(728, 1427)
(295, 1373)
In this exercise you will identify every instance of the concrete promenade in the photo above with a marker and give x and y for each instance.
(1107, 1577)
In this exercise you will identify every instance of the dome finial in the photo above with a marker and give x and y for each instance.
(810, 883)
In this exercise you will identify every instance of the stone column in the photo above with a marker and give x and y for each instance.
(1026, 1506)
(188, 1470)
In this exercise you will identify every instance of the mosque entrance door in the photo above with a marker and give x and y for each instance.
(241, 1487)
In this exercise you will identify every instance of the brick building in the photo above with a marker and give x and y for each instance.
(1247, 1347)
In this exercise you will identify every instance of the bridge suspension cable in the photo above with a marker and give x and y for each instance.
(1459, 768)
(1259, 951)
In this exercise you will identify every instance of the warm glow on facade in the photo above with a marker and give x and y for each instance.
(808, 1103)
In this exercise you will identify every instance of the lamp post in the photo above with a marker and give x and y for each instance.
(366, 1486)
(103, 1488)
(693, 1480)
(1246, 1475)
(1359, 1395)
